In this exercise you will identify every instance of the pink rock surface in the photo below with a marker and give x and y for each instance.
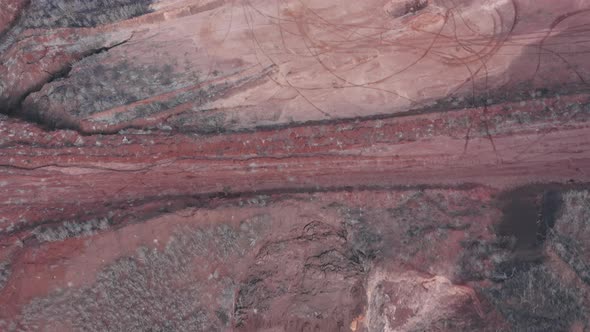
(258, 165)
(259, 63)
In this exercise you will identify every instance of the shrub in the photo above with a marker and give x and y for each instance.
(81, 13)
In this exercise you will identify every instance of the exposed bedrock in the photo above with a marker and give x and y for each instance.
(222, 66)
(294, 165)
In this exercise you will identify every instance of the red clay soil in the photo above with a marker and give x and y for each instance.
(196, 165)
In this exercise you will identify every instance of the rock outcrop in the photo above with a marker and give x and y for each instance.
(258, 165)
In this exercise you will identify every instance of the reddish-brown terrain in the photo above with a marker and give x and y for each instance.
(295, 165)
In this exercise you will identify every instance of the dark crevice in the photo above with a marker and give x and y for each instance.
(440, 106)
(46, 121)
(65, 71)
(44, 15)
(49, 14)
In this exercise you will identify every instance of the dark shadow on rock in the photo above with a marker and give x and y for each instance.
(533, 295)
(556, 66)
